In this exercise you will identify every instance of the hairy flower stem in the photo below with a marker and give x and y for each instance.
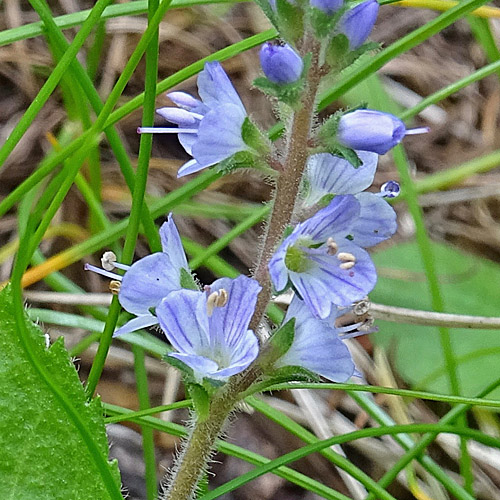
(288, 185)
(199, 448)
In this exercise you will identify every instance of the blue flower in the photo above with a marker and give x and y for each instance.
(209, 330)
(323, 259)
(280, 63)
(329, 174)
(147, 281)
(210, 129)
(316, 345)
(357, 23)
(370, 130)
(327, 6)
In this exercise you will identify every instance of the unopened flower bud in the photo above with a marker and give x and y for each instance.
(357, 24)
(390, 189)
(327, 6)
(280, 63)
(370, 130)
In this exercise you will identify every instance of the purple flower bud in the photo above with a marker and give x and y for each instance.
(280, 63)
(370, 130)
(357, 24)
(390, 189)
(327, 6)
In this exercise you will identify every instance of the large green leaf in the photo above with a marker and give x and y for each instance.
(470, 285)
(54, 443)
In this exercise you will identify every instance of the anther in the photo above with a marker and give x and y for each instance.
(347, 265)
(332, 247)
(108, 260)
(216, 299)
(346, 257)
(114, 287)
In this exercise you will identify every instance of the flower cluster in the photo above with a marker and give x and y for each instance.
(322, 259)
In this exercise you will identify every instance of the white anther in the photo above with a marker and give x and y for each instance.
(347, 265)
(332, 246)
(114, 287)
(346, 257)
(108, 260)
(216, 299)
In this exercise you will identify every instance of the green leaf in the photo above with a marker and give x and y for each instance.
(47, 453)
(470, 286)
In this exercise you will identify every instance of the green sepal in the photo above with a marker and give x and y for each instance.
(337, 50)
(201, 400)
(282, 338)
(348, 154)
(324, 24)
(241, 159)
(186, 370)
(254, 138)
(187, 280)
(338, 55)
(327, 136)
(289, 20)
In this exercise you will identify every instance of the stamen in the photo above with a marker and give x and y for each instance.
(346, 257)
(419, 130)
(114, 287)
(108, 260)
(98, 270)
(216, 299)
(332, 247)
(347, 265)
(166, 130)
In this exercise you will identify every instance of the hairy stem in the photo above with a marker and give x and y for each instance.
(198, 450)
(288, 186)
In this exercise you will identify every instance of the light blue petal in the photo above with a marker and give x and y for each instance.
(317, 348)
(219, 135)
(376, 222)
(329, 174)
(229, 324)
(315, 292)
(299, 310)
(188, 140)
(171, 243)
(179, 116)
(242, 357)
(202, 367)
(215, 88)
(344, 286)
(146, 282)
(335, 220)
(190, 167)
(136, 324)
(182, 316)
(184, 100)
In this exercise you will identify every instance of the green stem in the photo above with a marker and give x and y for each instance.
(148, 446)
(148, 43)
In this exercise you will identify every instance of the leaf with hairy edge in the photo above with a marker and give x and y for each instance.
(47, 452)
